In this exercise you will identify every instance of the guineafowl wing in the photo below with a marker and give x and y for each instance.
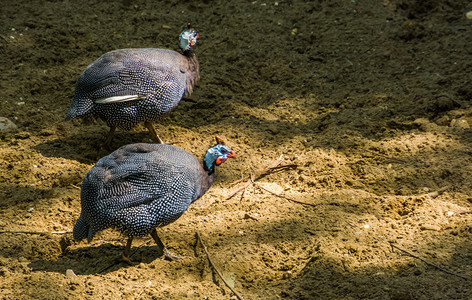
(136, 73)
(155, 77)
(139, 187)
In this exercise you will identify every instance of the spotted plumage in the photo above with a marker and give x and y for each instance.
(130, 86)
(143, 186)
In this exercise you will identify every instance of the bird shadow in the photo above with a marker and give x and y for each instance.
(101, 259)
(88, 146)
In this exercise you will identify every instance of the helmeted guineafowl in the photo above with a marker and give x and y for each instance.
(129, 86)
(140, 187)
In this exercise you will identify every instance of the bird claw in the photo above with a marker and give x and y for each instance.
(124, 259)
(170, 256)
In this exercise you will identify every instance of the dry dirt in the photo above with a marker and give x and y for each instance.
(370, 99)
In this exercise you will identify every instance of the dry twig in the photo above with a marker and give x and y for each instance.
(437, 193)
(284, 197)
(428, 263)
(216, 269)
(274, 165)
(243, 188)
(74, 186)
(250, 179)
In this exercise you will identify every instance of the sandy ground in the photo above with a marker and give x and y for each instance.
(369, 99)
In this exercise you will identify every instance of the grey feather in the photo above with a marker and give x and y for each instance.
(155, 79)
(142, 186)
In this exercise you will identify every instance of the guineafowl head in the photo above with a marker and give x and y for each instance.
(188, 38)
(217, 155)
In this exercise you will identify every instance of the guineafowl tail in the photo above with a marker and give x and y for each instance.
(80, 107)
(71, 114)
(81, 229)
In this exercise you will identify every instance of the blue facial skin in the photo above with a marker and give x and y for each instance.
(218, 151)
(187, 39)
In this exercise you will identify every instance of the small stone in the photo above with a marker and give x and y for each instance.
(430, 227)
(70, 273)
(460, 123)
(230, 278)
(7, 124)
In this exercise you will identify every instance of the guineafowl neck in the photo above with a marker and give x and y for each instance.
(194, 71)
(209, 169)
(206, 183)
(206, 180)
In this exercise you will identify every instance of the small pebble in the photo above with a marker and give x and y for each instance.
(70, 273)
(430, 227)
(460, 123)
(7, 124)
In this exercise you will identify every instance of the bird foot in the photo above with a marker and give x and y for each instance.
(170, 256)
(124, 259)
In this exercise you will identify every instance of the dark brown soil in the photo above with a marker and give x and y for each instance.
(370, 99)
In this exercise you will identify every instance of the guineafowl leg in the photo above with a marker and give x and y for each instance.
(110, 136)
(153, 132)
(162, 248)
(126, 252)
